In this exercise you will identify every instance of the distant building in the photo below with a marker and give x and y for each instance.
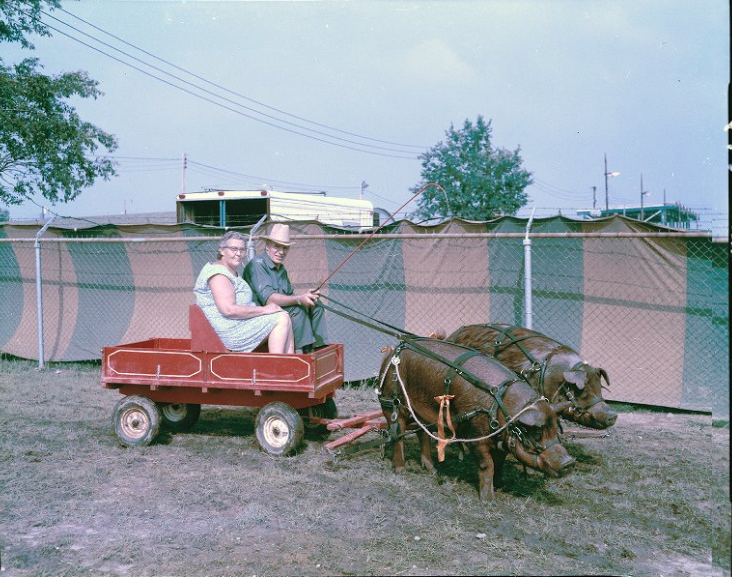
(247, 207)
(671, 215)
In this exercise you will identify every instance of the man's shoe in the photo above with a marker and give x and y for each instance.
(307, 349)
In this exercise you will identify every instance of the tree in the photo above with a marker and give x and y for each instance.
(45, 147)
(480, 181)
(4, 215)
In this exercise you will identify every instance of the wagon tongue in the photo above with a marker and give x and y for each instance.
(348, 450)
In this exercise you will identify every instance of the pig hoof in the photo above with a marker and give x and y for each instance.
(399, 470)
(487, 499)
(487, 495)
(429, 467)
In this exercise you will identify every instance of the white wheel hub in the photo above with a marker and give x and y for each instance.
(135, 423)
(276, 431)
(175, 412)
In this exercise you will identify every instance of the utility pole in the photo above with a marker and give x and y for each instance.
(607, 204)
(364, 186)
(594, 197)
(663, 212)
(184, 165)
(642, 194)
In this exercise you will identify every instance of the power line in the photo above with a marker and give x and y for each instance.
(263, 179)
(74, 38)
(557, 192)
(237, 93)
(143, 164)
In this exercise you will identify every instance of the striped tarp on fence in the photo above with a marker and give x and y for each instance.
(647, 304)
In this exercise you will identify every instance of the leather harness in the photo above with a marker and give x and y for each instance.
(410, 340)
(515, 431)
(507, 338)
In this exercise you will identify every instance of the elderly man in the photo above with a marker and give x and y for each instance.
(270, 284)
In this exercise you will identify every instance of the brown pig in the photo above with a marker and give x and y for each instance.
(489, 405)
(564, 376)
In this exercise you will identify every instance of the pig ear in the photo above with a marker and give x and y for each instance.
(532, 418)
(438, 334)
(577, 378)
(603, 373)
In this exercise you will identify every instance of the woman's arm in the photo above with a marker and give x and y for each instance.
(225, 298)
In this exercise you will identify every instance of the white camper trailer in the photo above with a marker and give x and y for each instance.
(247, 207)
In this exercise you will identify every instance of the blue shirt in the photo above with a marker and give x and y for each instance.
(266, 279)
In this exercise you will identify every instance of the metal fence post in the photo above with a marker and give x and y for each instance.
(527, 274)
(39, 292)
(250, 243)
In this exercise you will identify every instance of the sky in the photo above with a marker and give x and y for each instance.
(326, 95)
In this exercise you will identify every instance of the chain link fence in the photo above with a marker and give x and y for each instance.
(650, 307)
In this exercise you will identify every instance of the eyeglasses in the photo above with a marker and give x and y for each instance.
(236, 249)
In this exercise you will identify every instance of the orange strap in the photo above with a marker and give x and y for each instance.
(444, 401)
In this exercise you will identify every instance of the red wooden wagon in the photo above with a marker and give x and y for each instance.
(165, 381)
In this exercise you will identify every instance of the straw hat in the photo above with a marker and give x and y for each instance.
(279, 233)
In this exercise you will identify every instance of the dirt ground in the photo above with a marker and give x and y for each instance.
(650, 499)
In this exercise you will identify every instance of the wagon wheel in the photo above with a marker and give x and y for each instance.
(178, 417)
(279, 428)
(326, 410)
(136, 421)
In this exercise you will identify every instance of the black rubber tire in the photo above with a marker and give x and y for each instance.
(279, 429)
(136, 421)
(179, 417)
(326, 410)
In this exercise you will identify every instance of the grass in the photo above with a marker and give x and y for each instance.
(651, 499)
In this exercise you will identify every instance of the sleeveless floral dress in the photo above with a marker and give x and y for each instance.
(241, 335)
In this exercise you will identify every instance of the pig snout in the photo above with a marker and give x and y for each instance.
(566, 463)
(610, 418)
(556, 463)
(601, 416)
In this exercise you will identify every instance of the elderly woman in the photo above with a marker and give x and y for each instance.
(226, 300)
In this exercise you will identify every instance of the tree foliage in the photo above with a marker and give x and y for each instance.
(480, 181)
(18, 19)
(45, 147)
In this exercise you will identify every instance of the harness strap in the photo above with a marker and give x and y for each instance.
(542, 374)
(507, 332)
(495, 392)
(498, 396)
(412, 343)
(458, 363)
(500, 345)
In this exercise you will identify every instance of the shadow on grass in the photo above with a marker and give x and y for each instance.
(216, 422)
(582, 457)
(517, 481)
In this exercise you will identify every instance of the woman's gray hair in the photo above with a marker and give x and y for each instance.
(232, 234)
